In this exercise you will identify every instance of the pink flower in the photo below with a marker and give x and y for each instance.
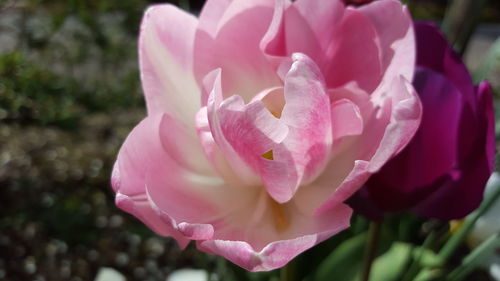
(263, 118)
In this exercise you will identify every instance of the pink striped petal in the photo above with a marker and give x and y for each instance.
(307, 113)
(390, 125)
(238, 164)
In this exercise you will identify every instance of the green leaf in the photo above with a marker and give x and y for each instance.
(429, 275)
(344, 263)
(474, 259)
(490, 63)
(426, 257)
(456, 239)
(392, 264)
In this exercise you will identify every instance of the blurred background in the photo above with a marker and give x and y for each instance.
(69, 95)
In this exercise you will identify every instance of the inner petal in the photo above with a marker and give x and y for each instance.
(273, 99)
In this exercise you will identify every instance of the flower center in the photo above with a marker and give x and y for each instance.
(281, 221)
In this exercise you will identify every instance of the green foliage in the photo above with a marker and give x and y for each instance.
(29, 93)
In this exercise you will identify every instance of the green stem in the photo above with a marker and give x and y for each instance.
(415, 265)
(473, 259)
(460, 21)
(456, 239)
(371, 249)
(288, 272)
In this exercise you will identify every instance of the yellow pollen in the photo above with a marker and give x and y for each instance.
(456, 225)
(280, 219)
(276, 114)
(268, 155)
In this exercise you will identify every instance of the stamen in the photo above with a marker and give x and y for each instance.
(268, 155)
(281, 221)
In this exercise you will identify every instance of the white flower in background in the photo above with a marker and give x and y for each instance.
(188, 275)
(109, 274)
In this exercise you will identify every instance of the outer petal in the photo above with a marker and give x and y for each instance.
(141, 149)
(174, 201)
(391, 124)
(353, 53)
(487, 109)
(459, 195)
(434, 52)
(321, 16)
(345, 45)
(289, 33)
(210, 15)
(307, 232)
(405, 119)
(394, 27)
(408, 177)
(166, 58)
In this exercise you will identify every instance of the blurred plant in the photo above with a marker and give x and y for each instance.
(460, 21)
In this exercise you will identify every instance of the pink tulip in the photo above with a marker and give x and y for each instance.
(263, 118)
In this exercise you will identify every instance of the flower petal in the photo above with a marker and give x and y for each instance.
(389, 127)
(460, 195)
(289, 33)
(434, 52)
(321, 16)
(245, 172)
(166, 59)
(246, 69)
(306, 233)
(307, 113)
(408, 177)
(210, 15)
(405, 119)
(394, 27)
(346, 119)
(140, 154)
(353, 53)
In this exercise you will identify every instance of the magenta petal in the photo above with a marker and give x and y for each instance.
(485, 96)
(461, 194)
(408, 177)
(434, 52)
